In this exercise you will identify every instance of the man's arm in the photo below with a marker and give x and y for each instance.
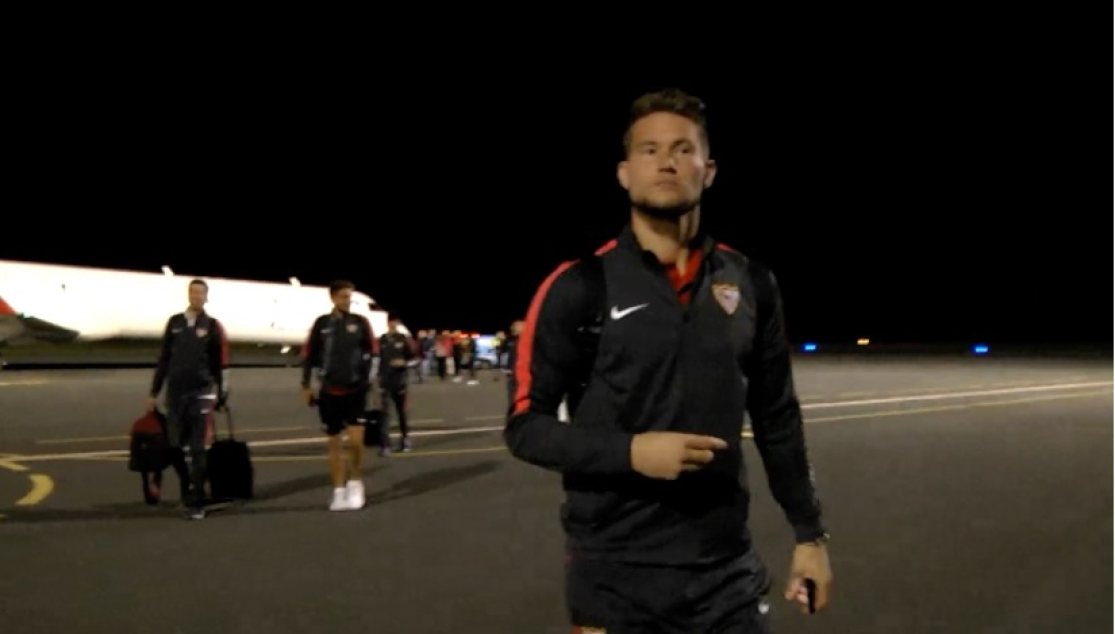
(163, 364)
(311, 353)
(219, 360)
(546, 366)
(373, 349)
(777, 422)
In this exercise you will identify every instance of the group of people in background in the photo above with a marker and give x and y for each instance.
(457, 354)
(350, 363)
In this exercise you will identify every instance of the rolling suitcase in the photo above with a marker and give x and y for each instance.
(373, 427)
(229, 469)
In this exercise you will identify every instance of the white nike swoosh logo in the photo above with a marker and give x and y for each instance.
(618, 314)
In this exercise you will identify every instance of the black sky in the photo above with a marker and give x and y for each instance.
(902, 193)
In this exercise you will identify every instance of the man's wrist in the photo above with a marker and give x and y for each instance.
(811, 536)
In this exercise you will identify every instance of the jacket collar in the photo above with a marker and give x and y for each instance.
(627, 240)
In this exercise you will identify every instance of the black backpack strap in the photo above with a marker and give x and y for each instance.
(592, 311)
(764, 294)
(764, 307)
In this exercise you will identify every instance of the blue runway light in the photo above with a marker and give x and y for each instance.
(980, 348)
(809, 347)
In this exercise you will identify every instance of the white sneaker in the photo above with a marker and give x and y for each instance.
(355, 495)
(340, 502)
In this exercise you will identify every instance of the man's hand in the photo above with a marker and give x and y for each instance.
(664, 455)
(308, 395)
(810, 561)
(152, 403)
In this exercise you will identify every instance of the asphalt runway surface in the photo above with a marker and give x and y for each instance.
(963, 495)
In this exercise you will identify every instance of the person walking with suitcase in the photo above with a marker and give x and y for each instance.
(193, 364)
(339, 351)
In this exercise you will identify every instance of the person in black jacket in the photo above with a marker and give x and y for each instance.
(339, 350)
(511, 345)
(689, 337)
(396, 351)
(193, 363)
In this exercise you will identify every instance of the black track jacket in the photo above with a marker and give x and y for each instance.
(662, 366)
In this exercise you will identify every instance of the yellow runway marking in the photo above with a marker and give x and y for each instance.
(27, 383)
(41, 487)
(246, 430)
(12, 466)
(414, 454)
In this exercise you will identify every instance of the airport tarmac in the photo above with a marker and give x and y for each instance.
(964, 494)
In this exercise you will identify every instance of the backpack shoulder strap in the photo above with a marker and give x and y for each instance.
(596, 292)
(764, 294)
(591, 324)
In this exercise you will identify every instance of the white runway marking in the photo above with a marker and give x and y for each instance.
(948, 395)
(497, 428)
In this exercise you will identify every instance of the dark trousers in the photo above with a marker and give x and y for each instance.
(188, 418)
(722, 598)
(394, 392)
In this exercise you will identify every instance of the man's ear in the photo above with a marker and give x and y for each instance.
(621, 174)
(710, 172)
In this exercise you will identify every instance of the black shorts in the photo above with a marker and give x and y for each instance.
(628, 598)
(338, 411)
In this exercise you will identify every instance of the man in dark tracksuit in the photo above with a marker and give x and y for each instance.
(395, 351)
(193, 364)
(688, 337)
(340, 347)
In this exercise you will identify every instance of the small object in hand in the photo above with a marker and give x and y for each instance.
(811, 592)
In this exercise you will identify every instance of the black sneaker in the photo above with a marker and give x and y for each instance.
(404, 446)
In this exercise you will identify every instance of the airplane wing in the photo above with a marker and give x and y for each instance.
(15, 327)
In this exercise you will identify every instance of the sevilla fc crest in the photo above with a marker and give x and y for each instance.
(727, 295)
(201, 332)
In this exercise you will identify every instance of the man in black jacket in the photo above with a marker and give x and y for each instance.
(688, 337)
(193, 363)
(339, 350)
(395, 350)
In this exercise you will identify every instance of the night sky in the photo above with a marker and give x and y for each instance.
(904, 196)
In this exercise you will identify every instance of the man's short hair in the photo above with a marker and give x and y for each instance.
(673, 100)
(339, 285)
(393, 317)
(199, 283)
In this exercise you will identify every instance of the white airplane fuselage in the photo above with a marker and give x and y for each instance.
(50, 302)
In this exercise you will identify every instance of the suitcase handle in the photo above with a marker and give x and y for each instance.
(228, 418)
